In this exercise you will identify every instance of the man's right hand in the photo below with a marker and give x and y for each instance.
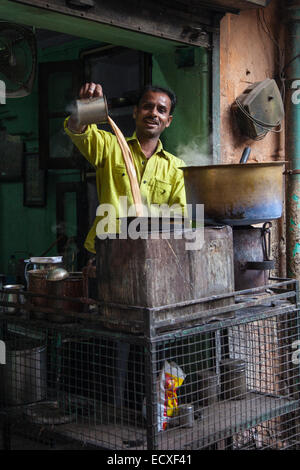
(88, 90)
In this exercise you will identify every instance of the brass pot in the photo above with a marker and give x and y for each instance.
(236, 194)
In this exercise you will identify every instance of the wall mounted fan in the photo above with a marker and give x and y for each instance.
(18, 59)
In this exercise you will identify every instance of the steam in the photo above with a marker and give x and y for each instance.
(71, 108)
(195, 153)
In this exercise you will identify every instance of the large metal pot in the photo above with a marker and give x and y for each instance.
(236, 194)
(23, 378)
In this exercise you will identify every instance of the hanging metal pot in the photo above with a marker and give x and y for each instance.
(236, 194)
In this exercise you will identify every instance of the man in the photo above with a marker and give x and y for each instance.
(160, 179)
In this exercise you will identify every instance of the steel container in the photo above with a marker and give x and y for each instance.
(41, 263)
(233, 379)
(186, 415)
(236, 194)
(12, 293)
(23, 377)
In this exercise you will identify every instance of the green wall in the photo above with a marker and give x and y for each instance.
(26, 230)
(186, 71)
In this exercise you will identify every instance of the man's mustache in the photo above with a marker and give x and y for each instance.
(154, 121)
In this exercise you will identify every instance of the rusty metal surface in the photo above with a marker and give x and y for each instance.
(250, 258)
(236, 194)
(155, 272)
(67, 288)
(229, 5)
(37, 283)
(153, 18)
(278, 296)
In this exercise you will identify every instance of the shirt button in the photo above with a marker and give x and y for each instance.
(143, 163)
(144, 181)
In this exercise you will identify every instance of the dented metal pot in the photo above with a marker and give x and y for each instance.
(236, 194)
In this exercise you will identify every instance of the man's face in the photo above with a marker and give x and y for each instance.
(152, 115)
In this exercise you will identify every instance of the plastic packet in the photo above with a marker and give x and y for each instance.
(171, 377)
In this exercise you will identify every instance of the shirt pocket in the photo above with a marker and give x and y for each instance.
(161, 192)
(120, 178)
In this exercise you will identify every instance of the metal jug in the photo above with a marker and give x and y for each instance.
(91, 111)
(42, 262)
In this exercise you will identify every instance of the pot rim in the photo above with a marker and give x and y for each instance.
(234, 165)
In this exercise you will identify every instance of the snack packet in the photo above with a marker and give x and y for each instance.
(171, 378)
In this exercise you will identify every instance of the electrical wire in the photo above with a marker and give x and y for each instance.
(268, 127)
(262, 22)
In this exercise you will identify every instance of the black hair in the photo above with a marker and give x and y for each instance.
(158, 89)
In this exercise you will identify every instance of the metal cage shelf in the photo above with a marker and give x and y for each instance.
(81, 384)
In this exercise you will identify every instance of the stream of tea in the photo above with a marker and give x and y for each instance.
(129, 163)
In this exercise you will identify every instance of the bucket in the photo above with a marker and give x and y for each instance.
(23, 378)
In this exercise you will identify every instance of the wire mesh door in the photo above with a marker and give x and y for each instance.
(224, 385)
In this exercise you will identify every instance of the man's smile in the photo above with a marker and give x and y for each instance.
(151, 122)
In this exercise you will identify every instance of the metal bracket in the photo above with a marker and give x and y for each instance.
(291, 172)
(260, 265)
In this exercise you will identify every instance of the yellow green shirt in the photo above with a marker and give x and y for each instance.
(160, 178)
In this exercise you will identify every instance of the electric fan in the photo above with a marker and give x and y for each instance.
(18, 59)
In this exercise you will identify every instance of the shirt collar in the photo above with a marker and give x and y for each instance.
(160, 150)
